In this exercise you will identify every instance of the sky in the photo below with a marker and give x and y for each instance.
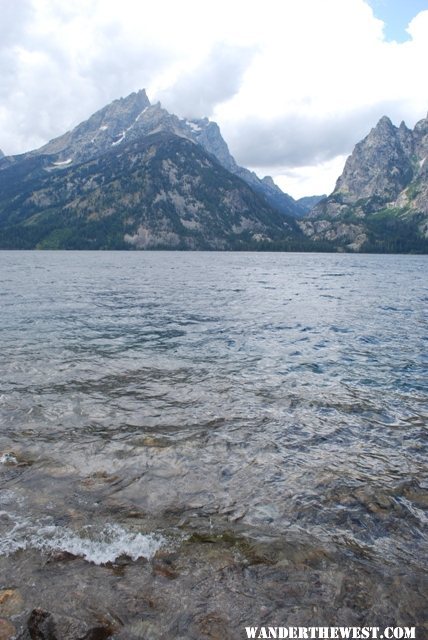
(293, 84)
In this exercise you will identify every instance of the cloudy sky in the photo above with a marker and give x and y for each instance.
(293, 84)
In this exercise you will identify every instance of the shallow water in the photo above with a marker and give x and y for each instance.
(195, 442)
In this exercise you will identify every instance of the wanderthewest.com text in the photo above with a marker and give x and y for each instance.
(332, 633)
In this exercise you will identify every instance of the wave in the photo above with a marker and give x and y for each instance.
(98, 545)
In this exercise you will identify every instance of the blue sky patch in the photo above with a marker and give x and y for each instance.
(396, 14)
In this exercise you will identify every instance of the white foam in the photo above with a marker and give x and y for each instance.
(8, 497)
(8, 458)
(96, 545)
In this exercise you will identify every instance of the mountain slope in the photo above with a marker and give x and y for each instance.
(208, 135)
(158, 191)
(380, 202)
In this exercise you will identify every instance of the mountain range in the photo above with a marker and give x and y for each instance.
(134, 176)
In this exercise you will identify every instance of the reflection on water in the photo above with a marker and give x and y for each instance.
(246, 432)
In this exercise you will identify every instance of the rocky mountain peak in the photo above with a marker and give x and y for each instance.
(420, 133)
(105, 128)
(269, 181)
(134, 117)
(1, 154)
(124, 110)
(379, 165)
(384, 125)
(382, 192)
(421, 126)
(405, 136)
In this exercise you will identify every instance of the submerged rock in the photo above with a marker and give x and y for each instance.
(215, 627)
(7, 630)
(11, 602)
(43, 626)
(164, 566)
(142, 630)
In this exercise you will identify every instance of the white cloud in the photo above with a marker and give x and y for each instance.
(294, 84)
(304, 180)
(213, 80)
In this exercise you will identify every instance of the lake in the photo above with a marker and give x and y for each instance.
(191, 443)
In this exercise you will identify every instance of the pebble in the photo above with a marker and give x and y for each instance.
(144, 630)
(7, 630)
(11, 602)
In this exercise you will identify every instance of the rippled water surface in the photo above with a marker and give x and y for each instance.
(195, 442)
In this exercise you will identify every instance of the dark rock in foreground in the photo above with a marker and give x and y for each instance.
(43, 626)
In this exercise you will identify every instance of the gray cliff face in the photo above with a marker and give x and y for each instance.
(405, 137)
(379, 166)
(1, 154)
(420, 134)
(384, 185)
(208, 135)
(417, 192)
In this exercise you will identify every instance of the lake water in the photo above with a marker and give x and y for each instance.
(191, 443)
